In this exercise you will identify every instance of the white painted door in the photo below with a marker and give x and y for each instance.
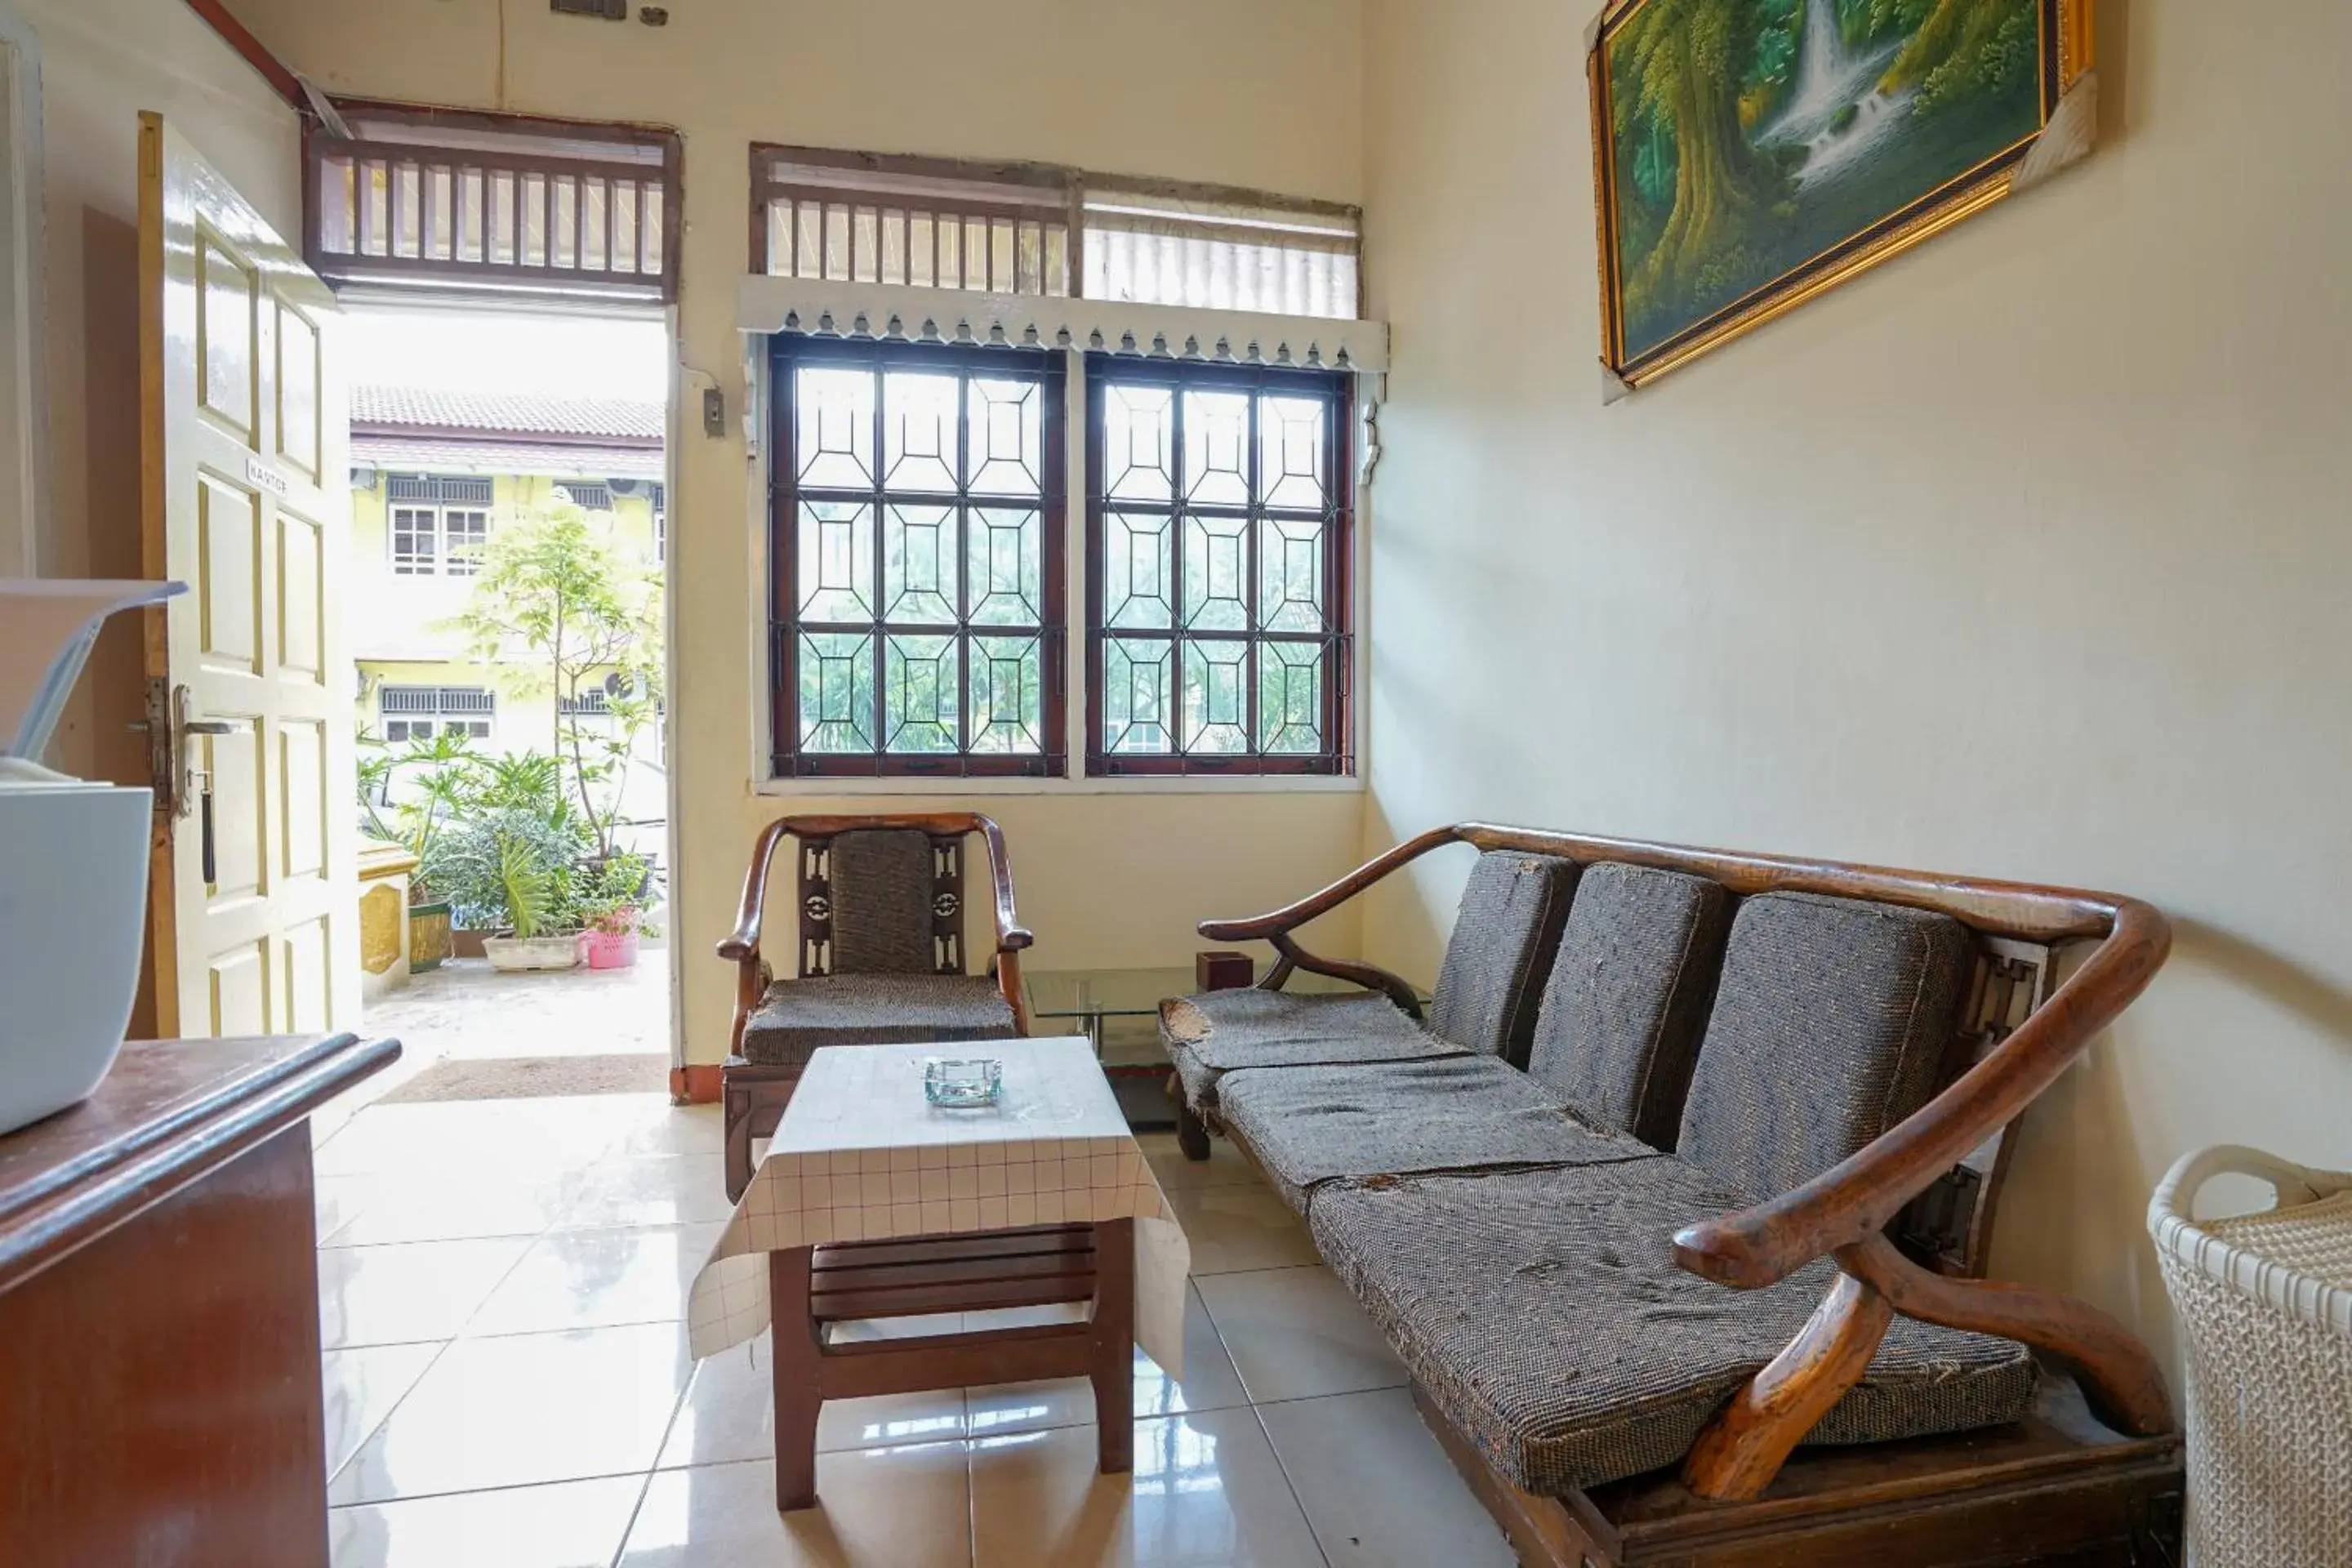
(246, 500)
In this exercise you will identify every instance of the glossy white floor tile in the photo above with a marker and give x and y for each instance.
(886, 1508)
(525, 1408)
(1224, 1167)
(648, 1189)
(598, 1278)
(361, 1387)
(1236, 1228)
(1205, 1489)
(1378, 1489)
(1294, 1333)
(572, 1524)
(415, 1292)
(392, 1209)
(730, 1414)
(1209, 1382)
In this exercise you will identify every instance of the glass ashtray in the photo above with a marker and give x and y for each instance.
(960, 1083)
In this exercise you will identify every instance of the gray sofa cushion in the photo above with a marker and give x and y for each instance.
(882, 891)
(1501, 950)
(1312, 1125)
(1627, 1000)
(1543, 1312)
(1831, 1025)
(796, 1016)
(1221, 1031)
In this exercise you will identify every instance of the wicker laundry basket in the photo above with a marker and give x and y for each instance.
(2266, 1308)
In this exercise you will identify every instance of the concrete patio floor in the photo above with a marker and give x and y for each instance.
(467, 1011)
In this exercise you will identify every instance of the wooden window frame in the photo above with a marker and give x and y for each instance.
(1337, 758)
(787, 759)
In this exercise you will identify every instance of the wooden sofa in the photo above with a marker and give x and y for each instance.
(1693, 1160)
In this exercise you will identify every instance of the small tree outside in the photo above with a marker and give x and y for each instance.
(556, 586)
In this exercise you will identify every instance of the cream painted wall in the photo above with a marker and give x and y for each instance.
(102, 61)
(1238, 91)
(2025, 555)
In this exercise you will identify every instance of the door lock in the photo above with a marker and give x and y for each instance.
(187, 792)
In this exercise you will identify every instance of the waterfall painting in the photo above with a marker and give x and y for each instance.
(1752, 152)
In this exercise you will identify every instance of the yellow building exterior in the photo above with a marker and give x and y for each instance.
(434, 478)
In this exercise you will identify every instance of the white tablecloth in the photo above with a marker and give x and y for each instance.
(860, 1155)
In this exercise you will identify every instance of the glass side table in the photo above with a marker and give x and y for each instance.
(1098, 1001)
(1118, 1011)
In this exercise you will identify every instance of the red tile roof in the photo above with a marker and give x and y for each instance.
(406, 408)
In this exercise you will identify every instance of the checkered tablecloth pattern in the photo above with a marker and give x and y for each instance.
(861, 1157)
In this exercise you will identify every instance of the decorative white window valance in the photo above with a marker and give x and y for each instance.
(766, 305)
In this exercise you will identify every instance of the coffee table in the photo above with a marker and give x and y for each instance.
(873, 1203)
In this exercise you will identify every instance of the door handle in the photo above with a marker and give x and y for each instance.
(186, 792)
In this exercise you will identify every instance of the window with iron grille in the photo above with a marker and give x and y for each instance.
(587, 496)
(419, 712)
(915, 534)
(1219, 507)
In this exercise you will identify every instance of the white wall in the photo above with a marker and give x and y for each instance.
(102, 62)
(1236, 91)
(2025, 556)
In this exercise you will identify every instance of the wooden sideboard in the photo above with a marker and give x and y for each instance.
(160, 1399)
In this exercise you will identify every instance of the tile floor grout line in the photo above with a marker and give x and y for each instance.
(1291, 1486)
(369, 1436)
(478, 1491)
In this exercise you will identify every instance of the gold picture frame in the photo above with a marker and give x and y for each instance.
(2062, 134)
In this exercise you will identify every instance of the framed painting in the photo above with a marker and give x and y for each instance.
(1750, 155)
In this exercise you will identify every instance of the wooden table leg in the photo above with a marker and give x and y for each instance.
(1114, 1344)
(798, 1394)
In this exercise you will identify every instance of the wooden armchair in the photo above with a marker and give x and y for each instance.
(879, 957)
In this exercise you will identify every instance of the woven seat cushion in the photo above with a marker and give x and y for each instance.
(797, 1016)
(1505, 935)
(1543, 1312)
(1309, 1126)
(1626, 1003)
(1831, 1025)
(1219, 1032)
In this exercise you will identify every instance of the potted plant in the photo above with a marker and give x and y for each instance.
(613, 938)
(611, 894)
(509, 869)
(443, 767)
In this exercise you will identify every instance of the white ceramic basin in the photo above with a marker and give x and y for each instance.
(73, 918)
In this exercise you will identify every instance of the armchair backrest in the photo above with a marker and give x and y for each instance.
(881, 899)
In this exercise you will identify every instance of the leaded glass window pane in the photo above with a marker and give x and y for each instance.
(1218, 570)
(921, 630)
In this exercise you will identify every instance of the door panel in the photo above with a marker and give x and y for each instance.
(227, 586)
(242, 485)
(301, 598)
(240, 991)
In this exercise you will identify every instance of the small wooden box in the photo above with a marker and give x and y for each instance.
(1224, 971)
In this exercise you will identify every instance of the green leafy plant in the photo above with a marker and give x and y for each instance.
(529, 888)
(435, 779)
(480, 861)
(560, 588)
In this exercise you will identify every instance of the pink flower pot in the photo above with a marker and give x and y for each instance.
(611, 950)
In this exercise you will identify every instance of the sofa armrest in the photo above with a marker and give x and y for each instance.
(1266, 927)
(1854, 1200)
